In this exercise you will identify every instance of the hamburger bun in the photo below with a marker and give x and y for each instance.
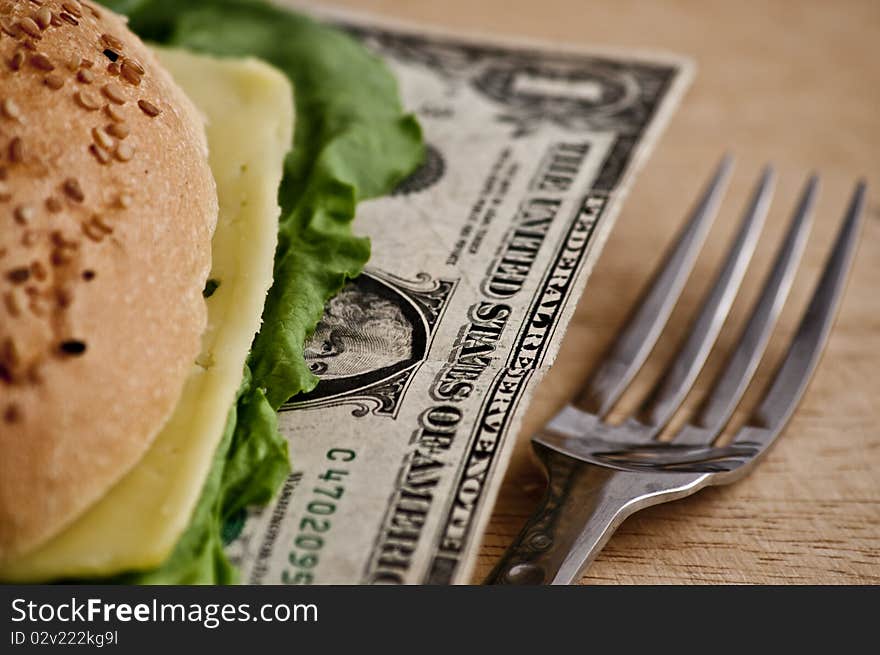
(107, 207)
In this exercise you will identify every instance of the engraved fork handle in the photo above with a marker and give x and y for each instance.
(583, 506)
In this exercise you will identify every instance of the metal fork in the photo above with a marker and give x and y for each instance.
(598, 473)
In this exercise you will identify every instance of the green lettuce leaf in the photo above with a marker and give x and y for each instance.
(249, 466)
(352, 142)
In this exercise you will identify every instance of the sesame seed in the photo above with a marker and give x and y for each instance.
(94, 230)
(124, 152)
(12, 414)
(99, 224)
(58, 258)
(68, 18)
(16, 61)
(11, 304)
(87, 100)
(118, 130)
(87, 63)
(30, 27)
(124, 200)
(54, 82)
(110, 41)
(101, 155)
(24, 214)
(18, 275)
(16, 150)
(53, 204)
(73, 63)
(113, 68)
(114, 113)
(63, 297)
(42, 62)
(38, 271)
(130, 75)
(73, 347)
(114, 93)
(10, 109)
(58, 240)
(12, 29)
(56, 21)
(85, 76)
(73, 190)
(102, 138)
(134, 65)
(73, 7)
(111, 55)
(8, 352)
(43, 18)
(149, 108)
(91, 235)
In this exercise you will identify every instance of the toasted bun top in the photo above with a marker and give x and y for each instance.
(107, 207)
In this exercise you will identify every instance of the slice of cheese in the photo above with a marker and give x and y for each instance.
(248, 109)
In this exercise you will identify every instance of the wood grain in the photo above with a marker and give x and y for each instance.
(796, 83)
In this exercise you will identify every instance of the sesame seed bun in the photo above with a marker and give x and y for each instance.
(107, 207)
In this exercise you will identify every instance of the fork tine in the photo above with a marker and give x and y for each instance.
(803, 354)
(740, 368)
(668, 395)
(637, 339)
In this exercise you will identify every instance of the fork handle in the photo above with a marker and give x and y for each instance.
(582, 507)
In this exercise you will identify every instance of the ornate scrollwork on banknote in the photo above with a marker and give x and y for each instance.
(427, 361)
(373, 338)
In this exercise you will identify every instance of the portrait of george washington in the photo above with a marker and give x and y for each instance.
(362, 331)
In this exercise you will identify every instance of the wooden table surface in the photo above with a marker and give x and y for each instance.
(792, 82)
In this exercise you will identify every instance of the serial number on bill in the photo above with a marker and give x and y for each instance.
(310, 538)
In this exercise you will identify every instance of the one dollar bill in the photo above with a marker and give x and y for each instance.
(427, 361)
